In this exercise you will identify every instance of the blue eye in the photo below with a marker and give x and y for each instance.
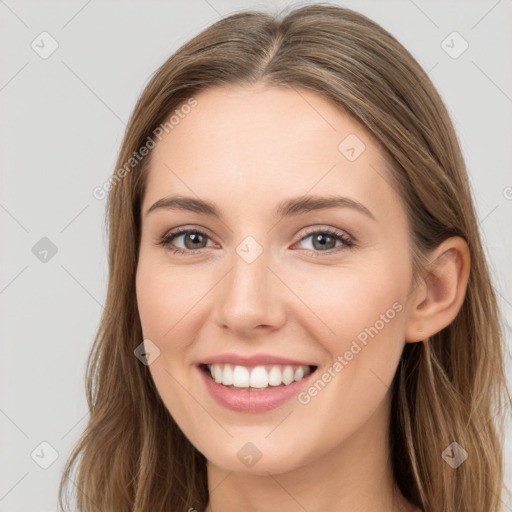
(195, 240)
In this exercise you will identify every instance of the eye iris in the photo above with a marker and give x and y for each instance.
(320, 238)
(196, 237)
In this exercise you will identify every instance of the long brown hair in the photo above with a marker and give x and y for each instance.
(449, 388)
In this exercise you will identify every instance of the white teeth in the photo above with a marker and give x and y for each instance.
(288, 375)
(257, 377)
(275, 376)
(217, 373)
(240, 377)
(227, 376)
(299, 373)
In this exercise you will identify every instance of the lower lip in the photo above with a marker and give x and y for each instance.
(252, 401)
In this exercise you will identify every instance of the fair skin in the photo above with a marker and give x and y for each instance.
(247, 149)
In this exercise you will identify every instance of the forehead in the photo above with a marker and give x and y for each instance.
(262, 142)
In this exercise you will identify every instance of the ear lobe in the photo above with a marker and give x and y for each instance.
(439, 297)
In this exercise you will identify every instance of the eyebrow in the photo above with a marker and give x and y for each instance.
(287, 208)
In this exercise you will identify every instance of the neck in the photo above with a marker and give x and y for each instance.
(355, 476)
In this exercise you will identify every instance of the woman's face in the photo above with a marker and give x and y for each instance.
(273, 286)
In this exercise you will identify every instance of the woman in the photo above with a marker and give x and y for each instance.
(299, 313)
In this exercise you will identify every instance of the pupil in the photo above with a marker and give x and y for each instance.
(321, 239)
(195, 237)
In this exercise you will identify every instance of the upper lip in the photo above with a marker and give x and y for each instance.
(253, 360)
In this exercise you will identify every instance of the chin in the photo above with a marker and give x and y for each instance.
(257, 459)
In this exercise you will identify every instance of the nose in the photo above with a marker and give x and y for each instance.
(251, 297)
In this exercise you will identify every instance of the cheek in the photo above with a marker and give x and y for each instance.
(154, 302)
(354, 303)
(165, 300)
(363, 318)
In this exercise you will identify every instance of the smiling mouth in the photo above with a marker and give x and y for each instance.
(256, 378)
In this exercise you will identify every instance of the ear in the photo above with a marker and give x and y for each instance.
(438, 299)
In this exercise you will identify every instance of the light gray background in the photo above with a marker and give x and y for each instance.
(62, 123)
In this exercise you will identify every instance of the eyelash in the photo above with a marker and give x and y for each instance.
(169, 237)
